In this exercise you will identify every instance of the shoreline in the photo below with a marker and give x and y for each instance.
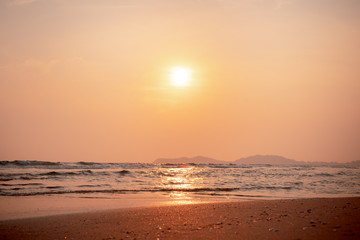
(317, 218)
(26, 207)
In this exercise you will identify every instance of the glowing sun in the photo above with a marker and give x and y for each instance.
(180, 76)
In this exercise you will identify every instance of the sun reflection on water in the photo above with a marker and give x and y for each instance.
(179, 180)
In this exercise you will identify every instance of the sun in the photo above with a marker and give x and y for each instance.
(180, 76)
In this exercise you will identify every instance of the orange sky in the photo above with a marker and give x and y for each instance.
(89, 80)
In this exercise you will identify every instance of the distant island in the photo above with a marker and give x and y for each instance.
(256, 159)
(266, 159)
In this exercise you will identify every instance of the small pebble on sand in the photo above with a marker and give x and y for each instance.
(273, 230)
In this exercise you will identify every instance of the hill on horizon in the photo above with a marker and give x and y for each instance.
(266, 159)
(256, 159)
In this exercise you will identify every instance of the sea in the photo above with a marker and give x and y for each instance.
(37, 188)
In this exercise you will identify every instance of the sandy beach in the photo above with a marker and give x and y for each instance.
(327, 218)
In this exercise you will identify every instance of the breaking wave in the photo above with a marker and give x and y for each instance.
(32, 178)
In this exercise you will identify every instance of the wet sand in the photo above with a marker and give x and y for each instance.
(327, 218)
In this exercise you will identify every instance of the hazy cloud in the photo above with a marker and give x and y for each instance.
(274, 3)
(21, 2)
(282, 3)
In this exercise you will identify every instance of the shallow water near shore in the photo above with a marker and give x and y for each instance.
(35, 188)
(47, 205)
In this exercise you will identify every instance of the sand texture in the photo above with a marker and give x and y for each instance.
(330, 218)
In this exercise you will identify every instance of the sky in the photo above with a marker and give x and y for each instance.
(89, 80)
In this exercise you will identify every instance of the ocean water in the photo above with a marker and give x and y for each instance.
(175, 181)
